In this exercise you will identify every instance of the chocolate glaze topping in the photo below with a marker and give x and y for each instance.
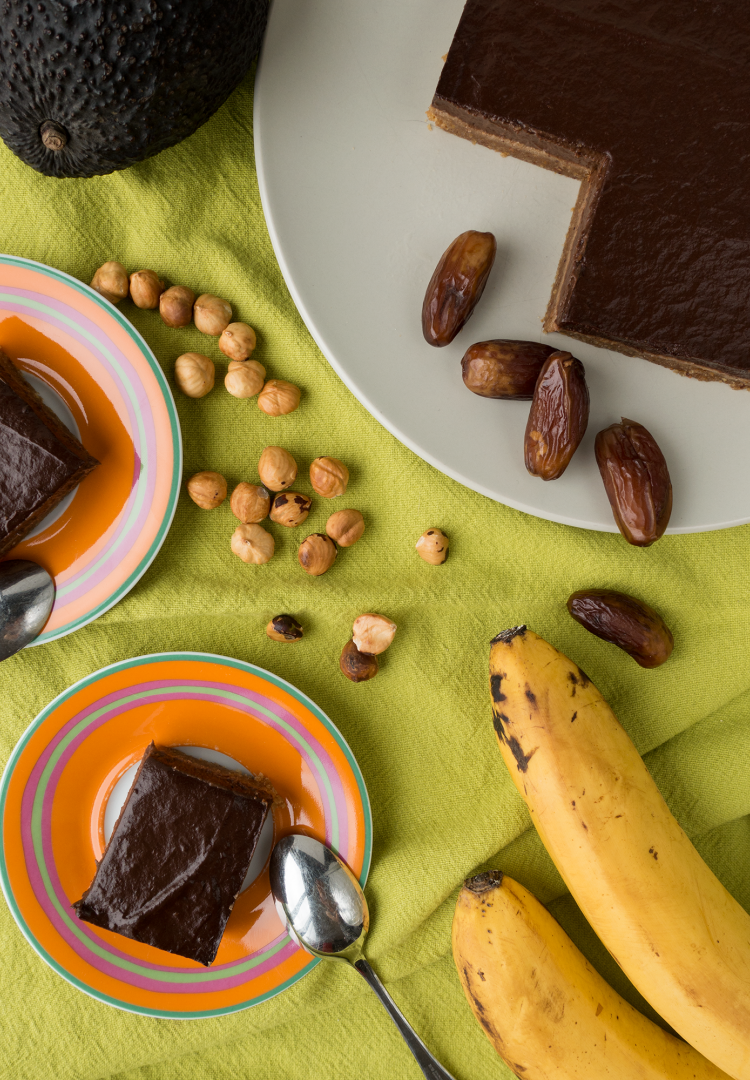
(178, 854)
(650, 102)
(40, 460)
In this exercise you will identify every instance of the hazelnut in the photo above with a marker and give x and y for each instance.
(194, 374)
(290, 509)
(237, 341)
(176, 305)
(284, 628)
(345, 527)
(207, 489)
(250, 503)
(212, 315)
(145, 289)
(277, 468)
(317, 554)
(432, 546)
(111, 280)
(329, 477)
(278, 398)
(356, 665)
(373, 633)
(252, 543)
(244, 378)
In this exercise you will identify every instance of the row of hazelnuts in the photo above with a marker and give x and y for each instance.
(371, 636)
(195, 373)
(252, 503)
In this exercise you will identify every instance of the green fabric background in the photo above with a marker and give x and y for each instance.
(443, 804)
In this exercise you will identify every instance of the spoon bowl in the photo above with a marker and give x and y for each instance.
(325, 911)
(27, 593)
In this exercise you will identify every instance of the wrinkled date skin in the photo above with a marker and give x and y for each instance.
(504, 369)
(624, 621)
(636, 480)
(456, 286)
(558, 417)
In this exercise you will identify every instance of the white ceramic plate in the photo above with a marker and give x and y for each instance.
(362, 198)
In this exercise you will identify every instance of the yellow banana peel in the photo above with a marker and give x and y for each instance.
(666, 919)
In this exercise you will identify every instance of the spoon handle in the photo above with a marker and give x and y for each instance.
(429, 1065)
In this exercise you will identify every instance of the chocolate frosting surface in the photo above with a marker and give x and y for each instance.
(35, 464)
(178, 855)
(656, 96)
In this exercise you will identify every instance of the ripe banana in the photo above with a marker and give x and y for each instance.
(546, 1011)
(669, 923)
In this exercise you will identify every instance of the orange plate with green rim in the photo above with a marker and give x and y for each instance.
(67, 777)
(98, 374)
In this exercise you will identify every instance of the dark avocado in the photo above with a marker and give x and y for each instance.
(90, 86)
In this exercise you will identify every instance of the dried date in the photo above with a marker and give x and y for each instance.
(504, 369)
(456, 286)
(558, 417)
(624, 621)
(636, 479)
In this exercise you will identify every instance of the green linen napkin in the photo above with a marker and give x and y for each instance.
(443, 805)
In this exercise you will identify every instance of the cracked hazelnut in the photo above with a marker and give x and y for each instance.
(207, 489)
(345, 527)
(211, 314)
(329, 477)
(250, 503)
(252, 543)
(244, 378)
(432, 546)
(237, 341)
(277, 468)
(290, 509)
(176, 305)
(356, 665)
(317, 554)
(194, 374)
(111, 281)
(284, 628)
(279, 398)
(373, 633)
(145, 289)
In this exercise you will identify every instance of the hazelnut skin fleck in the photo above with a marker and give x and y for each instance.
(252, 544)
(111, 281)
(345, 527)
(237, 341)
(356, 665)
(317, 554)
(176, 305)
(145, 289)
(278, 398)
(244, 378)
(284, 628)
(277, 468)
(290, 508)
(194, 374)
(373, 633)
(207, 489)
(432, 546)
(211, 314)
(250, 503)
(329, 477)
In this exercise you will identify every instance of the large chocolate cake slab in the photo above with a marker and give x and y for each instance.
(649, 104)
(40, 460)
(178, 854)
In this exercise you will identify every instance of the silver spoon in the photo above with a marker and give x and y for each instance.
(27, 593)
(325, 910)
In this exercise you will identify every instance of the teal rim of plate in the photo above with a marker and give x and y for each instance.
(140, 661)
(171, 508)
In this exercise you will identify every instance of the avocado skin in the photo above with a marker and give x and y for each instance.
(124, 78)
